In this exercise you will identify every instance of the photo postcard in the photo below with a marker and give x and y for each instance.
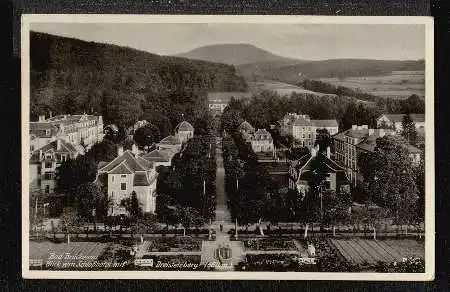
(227, 147)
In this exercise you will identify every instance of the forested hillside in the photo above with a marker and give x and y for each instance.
(122, 84)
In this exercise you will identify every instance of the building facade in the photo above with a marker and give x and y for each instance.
(304, 130)
(79, 130)
(127, 173)
(44, 163)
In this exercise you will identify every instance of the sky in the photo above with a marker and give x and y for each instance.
(300, 41)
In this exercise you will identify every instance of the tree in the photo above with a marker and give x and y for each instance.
(389, 178)
(146, 135)
(89, 197)
(190, 217)
(323, 139)
(409, 129)
(132, 206)
(70, 222)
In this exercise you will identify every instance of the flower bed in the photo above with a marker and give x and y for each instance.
(165, 244)
(270, 244)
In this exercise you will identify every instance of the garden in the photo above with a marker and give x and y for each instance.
(173, 244)
(276, 263)
(270, 244)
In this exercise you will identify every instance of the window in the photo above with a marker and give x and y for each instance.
(48, 175)
(112, 178)
(309, 136)
(32, 148)
(48, 165)
(123, 186)
(47, 189)
(123, 175)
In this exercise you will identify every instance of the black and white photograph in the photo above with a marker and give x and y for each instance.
(227, 147)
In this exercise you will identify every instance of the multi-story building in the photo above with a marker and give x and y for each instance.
(44, 163)
(184, 131)
(304, 130)
(79, 130)
(127, 173)
(348, 144)
(261, 141)
(394, 121)
(301, 172)
(218, 101)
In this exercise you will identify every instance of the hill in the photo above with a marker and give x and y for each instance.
(337, 68)
(236, 54)
(123, 84)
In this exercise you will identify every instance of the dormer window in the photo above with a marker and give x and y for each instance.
(47, 132)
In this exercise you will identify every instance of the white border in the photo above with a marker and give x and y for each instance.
(95, 18)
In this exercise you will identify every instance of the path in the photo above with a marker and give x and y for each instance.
(223, 217)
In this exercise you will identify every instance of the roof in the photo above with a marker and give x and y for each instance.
(304, 167)
(171, 140)
(112, 127)
(131, 162)
(325, 123)
(140, 179)
(121, 168)
(302, 121)
(184, 126)
(39, 129)
(395, 118)
(66, 148)
(156, 156)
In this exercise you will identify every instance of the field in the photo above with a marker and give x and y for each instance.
(370, 252)
(279, 87)
(396, 85)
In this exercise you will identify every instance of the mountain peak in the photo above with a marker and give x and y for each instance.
(232, 53)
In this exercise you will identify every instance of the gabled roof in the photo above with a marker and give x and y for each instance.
(325, 123)
(156, 156)
(303, 167)
(66, 148)
(184, 126)
(121, 168)
(131, 162)
(395, 118)
(170, 140)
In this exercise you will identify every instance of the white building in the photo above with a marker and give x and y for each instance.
(126, 174)
(78, 130)
(261, 141)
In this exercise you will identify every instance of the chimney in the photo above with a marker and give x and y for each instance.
(120, 150)
(41, 118)
(371, 131)
(134, 149)
(58, 144)
(382, 133)
(328, 152)
(354, 127)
